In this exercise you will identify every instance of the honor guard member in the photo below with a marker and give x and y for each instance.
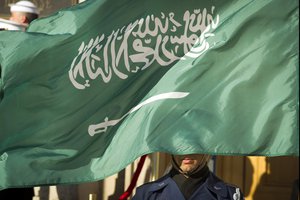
(189, 179)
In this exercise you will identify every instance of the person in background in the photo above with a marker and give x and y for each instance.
(189, 179)
(22, 14)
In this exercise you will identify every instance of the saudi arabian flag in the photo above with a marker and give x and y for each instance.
(86, 91)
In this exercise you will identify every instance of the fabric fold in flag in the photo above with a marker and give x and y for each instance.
(86, 91)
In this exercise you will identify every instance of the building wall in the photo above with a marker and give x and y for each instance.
(261, 178)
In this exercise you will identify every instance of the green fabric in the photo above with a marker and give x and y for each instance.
(89, 89)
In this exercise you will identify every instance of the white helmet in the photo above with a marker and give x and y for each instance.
(24, 6)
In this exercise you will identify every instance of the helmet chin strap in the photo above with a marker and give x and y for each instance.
(203, 163)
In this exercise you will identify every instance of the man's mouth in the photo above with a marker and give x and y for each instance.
(187, 161)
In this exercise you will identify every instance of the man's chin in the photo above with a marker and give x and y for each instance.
(186, 170)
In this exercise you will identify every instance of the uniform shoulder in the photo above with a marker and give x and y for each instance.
(161, 182)
(220, 181)
(231, 186)
(224, 189)
(147, 189)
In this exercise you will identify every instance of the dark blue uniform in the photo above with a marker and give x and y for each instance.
(165, 188)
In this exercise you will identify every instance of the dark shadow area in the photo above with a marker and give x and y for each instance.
(295, 190)
(249, 170)
(279, 180)
(17, 193)
(119, 187)
(64, 192)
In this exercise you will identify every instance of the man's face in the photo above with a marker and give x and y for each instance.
(17, 17)
(189, 162)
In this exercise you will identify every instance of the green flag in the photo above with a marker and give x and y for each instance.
(89, 89)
